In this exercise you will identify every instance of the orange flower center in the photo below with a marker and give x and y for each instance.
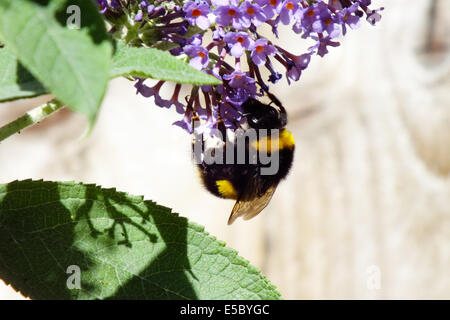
(310, 13)
(196, 12)
(259, 48)
(237, 76)
(273, 3)
(201, 54)
(289, 6)
(240, 39)
(328, 21)
(232, 12)
(251, 11)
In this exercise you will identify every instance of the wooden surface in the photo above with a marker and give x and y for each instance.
(365, 212)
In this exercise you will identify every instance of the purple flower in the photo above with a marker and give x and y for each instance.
(274, 76)
(176, 51)
(347, 17)
(138, 16)
(294, 64)
(186, 122)
(252, 14)
(230, 14)
(238, 79)
(289, 8)
(179, 107)
(373, 16)
(260, 50)
(208, 127)
(148, 92)
(298, 18)
(154, 12)
(318, 18)
(274, 25)
(218, 34)
(238, 53)
(209, 123)
(335, 4)
(199, 56)
(364, 3)
(332, 26)
(115, 4)
(102, 5)
(232, 118)
(218, 3)
(196, 40)
(197, 14)
(150, 9)
(322, 44)
(301, 62)
(310, 15)
(239, 95)
(238, 42)
(143, 4)
(270, 7)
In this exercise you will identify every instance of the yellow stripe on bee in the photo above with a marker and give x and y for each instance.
(285, 141)
(226, 189)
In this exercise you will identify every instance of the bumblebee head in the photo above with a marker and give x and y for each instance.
(264, 116)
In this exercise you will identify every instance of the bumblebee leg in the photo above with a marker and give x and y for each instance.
(195, 136)
(195, 119)
(221, 127)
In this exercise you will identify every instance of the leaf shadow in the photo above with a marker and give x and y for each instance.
(41, 2)
(41, 239)
(27, 82)
(33, 262)
(89, 17)
(167, 276)
(111, 198)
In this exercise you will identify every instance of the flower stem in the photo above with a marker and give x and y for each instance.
(30, 118)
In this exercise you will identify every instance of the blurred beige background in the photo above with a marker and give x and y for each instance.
(365, 212)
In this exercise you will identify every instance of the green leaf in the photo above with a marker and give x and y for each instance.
(124, 247)
(72, 64)
(156, 64)
(15, 81)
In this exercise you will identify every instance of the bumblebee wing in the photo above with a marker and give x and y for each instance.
(247, 208)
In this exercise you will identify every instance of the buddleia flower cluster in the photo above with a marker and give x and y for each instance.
(223, 39)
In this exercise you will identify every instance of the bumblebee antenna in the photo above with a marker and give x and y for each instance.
(274, 99)
(283, 113)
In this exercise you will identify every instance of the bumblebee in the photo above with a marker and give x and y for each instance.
(251, 182)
